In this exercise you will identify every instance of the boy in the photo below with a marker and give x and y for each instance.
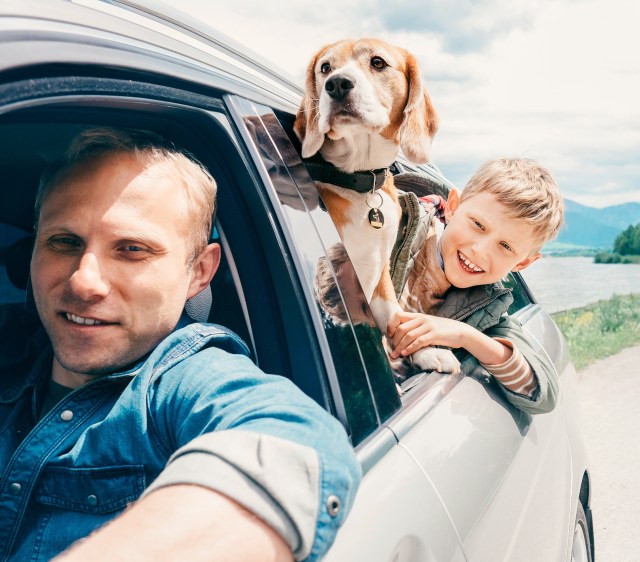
(507, 211)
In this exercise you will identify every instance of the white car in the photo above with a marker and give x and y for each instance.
(452, 471)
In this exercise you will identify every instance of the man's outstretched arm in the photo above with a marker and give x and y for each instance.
(182, 522)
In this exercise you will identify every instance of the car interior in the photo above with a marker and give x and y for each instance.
(27, 146)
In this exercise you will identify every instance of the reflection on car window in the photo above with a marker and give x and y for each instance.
(367, 390)
(345, 311)
(520, 294)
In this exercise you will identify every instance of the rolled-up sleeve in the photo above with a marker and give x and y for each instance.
(545, 396)
(260, 441)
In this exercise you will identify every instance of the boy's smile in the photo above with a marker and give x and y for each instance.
(482, 242)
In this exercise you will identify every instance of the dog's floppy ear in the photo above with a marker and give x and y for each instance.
(306, 123)
(420, 121)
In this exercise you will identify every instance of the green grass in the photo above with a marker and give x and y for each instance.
(611, 257)
(600, 329)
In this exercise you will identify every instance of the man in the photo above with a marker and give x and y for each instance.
(119, 398)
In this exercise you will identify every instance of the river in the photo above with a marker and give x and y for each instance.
(560, 283)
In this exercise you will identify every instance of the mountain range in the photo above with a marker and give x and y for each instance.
(590, 227)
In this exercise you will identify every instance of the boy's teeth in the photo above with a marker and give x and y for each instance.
(469, 264)
(80, 320)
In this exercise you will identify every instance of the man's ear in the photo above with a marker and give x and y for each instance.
(203, 269)
(453, 202)
(526, 262)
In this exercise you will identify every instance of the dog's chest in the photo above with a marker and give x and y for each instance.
(374, 215)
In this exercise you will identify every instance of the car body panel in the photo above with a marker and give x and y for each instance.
(397, 517)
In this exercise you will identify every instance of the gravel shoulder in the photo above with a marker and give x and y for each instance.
(610, 400)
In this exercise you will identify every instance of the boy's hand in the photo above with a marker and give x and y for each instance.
(410, 331)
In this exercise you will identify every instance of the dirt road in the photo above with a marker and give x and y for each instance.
(610, 398)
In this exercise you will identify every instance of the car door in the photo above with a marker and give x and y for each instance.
(504, 476)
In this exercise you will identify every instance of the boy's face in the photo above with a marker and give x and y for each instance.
(482, 243)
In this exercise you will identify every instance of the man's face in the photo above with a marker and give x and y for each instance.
(109, 268)
(482, 243)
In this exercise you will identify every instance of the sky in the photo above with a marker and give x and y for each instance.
(553, 80)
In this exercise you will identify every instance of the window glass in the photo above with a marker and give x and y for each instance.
(521, 297)
(361, 376)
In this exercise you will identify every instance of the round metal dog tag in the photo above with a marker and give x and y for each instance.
(376, 218)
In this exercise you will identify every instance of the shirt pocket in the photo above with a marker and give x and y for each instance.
(91, 490)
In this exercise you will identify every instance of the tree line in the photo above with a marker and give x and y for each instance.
(626, 244)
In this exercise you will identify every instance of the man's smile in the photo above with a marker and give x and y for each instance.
(84, 321)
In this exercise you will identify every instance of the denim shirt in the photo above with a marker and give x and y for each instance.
(197, 403)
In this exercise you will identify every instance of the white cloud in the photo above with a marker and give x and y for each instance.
(556, 81)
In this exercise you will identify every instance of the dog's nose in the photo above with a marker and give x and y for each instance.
(338, 87)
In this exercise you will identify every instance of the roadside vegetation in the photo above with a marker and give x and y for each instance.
(600, 329)
(612, 257)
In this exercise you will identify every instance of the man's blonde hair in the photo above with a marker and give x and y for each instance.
(526, 189)
(150, 150)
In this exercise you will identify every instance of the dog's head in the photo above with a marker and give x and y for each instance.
(366, 86)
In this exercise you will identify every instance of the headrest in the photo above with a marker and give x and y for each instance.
(420, 184)
(17, 261)
(18, 195)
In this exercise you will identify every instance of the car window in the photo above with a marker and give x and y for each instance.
(521, 295)
(361, 373)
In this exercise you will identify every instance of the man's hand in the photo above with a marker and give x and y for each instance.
(182, 522)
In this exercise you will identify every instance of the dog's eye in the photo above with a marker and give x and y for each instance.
(378, 63)
(325, 68)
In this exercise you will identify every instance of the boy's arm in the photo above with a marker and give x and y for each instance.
(545, 397)
(515, 374)
(411, 331)
(528, 378)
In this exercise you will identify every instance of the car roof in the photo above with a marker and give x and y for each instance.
(141, 36)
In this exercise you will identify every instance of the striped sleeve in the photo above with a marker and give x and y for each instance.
(515, 373)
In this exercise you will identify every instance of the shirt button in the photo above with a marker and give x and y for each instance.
(333, 505)
(92, 500)
(15, 488)
(67, 415)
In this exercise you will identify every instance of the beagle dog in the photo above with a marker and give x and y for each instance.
(364, 101)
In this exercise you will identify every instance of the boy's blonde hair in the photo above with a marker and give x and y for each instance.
(526, 189)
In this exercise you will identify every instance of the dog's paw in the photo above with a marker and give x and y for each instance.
(436, 359)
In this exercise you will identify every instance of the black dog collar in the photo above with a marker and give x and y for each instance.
(362, 182)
